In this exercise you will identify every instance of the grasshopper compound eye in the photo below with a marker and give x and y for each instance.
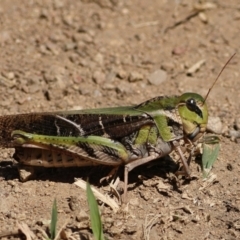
(192, 106)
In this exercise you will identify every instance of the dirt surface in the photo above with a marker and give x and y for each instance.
(62, 55)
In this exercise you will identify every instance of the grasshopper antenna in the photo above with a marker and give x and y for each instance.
(218, 76)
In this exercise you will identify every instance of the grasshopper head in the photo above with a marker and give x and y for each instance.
(194, 114)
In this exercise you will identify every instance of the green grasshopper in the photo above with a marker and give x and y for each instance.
(129, 136)
(110, 136)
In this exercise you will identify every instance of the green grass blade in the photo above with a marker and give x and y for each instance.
(211, 148)
(95, 218)
(53, 225)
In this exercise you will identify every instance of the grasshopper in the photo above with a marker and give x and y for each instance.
(130, 136)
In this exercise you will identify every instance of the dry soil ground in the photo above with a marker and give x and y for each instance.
(65, 54)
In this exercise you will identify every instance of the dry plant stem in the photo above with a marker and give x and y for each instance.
(149, 224)
(110, 202)
(62, 227)
(23, 227)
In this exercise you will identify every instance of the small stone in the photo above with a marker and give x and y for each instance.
(74, 203)
(74, 58)
(9, 75)
(214, 125)
(99, 58)
(179, 50)
(44, 14)
(11, 183)
(135, 76)
(98, 77)
(68, 20)
(70, 46)
(97, 94)
(203, 17)
(110, 76)
(145, 195)
(17, 189)
(168, 66)
(53, 48)
(5, 155)
(121, 74)
(157, 77)
(82, 216)
(109, 86)
(52, 74)
(123, 87)
(134, 202)
(234, 134)
(33, 88)
(58, 3)
(5, 37)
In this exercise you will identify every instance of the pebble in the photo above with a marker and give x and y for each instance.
(203, 17)
(135, 76)
(9, 75)
(33, 88)
(82, 216)
(99, 58)
(168, 66)
(214, 125)
(110, 76)
(109, 86)
(121, 74)
(74, 203)
(70, 46)
(98, 77)
(123, 87)
(179, 50)
(53, 48)
(53, 73)
(234, 134)
(68, 20)
(158, 77)
(97, 93)
(5, 36)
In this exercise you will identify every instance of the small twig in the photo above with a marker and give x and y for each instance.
(146, 24)
(181, 21)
